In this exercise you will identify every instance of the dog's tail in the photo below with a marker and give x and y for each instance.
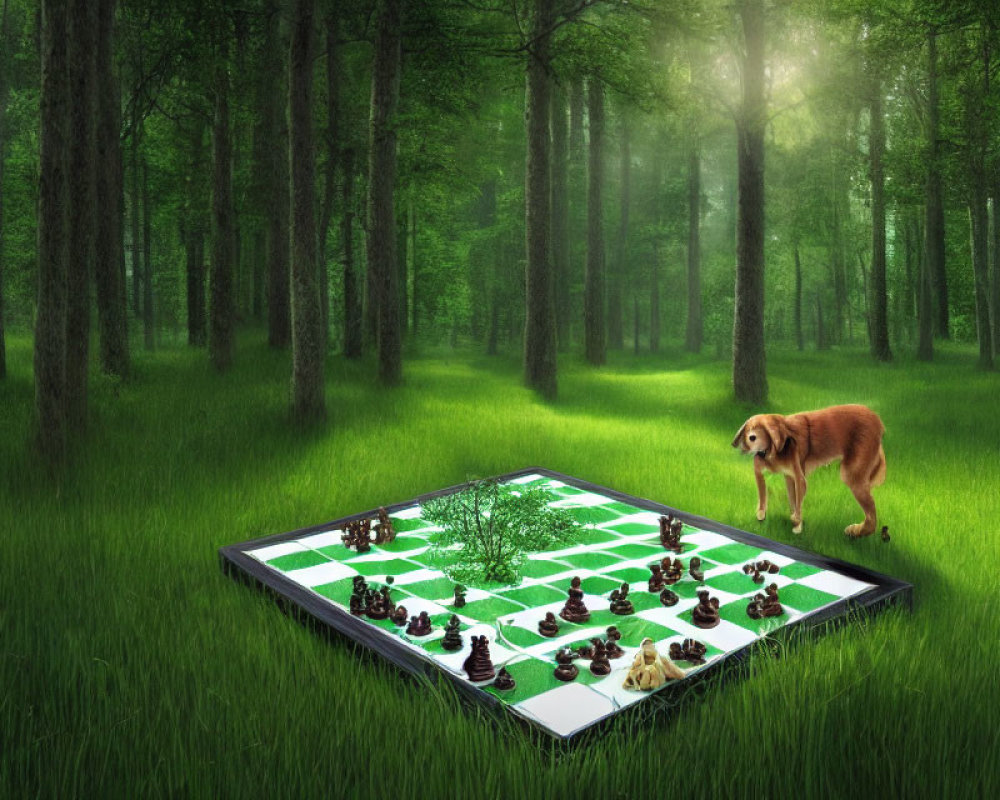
(878, 473)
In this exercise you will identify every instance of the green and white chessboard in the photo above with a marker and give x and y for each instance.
(617, 541)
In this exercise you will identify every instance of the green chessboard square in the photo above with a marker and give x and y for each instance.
(623, 509)
(597, 584)
(595, 536)
(391, 566)
(563, 492)
(799, 570)
(736, 583)
(522, 637)
(338, 591)
(594, 515)
(301, 560)
(736, 553)
(489, 609)
(804, 598)
(531, 676)
(628, 552)
(591, 560)
(634, 528)
(635, 629)
(540, 568)
(736, 612)
(686, 588)
(643, 600)
(632, 575)
(538, 595)
(434, 589)
(402, 544)
(402, 525)
(337, 552)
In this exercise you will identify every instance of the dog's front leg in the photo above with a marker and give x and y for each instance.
(799, 484)
(758, 473)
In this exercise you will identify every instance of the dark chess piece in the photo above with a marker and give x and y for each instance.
(548, 627)
(706, 613)
(357, 595)
(419, 626)
(696, 571)
(771, 607)
(363, 541)
(676, 528)
(478, 665)
(566, 669)
(356, 605)
(504, 681)
(670, 533)
(384, 532)
(688, 650)
(611, 647)
(885, 533)
(575, 610)
(673, 571)
(669, 597)
(620, 604)
(748, 569)
(600, 665)
(656, 583)
(400, 615)
(387, 601)
(452, 640)
(459, 601)
(586, 651)
(755, 608)
(377, 605)
(773, 569)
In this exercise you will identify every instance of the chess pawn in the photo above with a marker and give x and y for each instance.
(548, 627)
(566, 669)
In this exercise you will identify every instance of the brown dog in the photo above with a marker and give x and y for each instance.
(797, 444)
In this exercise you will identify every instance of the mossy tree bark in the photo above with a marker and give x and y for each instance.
(381, 242)
(749, 365)
(539, 323)
(934, 200)
(353, 339)
(50, 319)
(616, 322)
(222, 301)
(194, 247)
(148, 328)
(879, 327)
(112, 312)
(308, 341)
(594, 316)
(332, 141)
(560, 215)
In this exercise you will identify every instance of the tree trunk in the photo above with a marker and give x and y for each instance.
(995, 251)
(50, 320)
(279, 323)
(577, 176)
(222, 302)
(616, 333)
(402, 240)
(540, 323)
(415, 293)
(308, 402)
(635, 324)
(879, 297)
(693, 332)
(333, 71)
(979, 219)
(925, 307)
(147, 261)
(799, 342)
(934, 228)
(821, 343)
(112, 313)
(352, 289)
(4, 47)
(136, 219)
(560, 216)
(82, 206)
(837, 265)
(595, 329)
(381, 240)
(194, 252)
(654, 302)
(749, 366)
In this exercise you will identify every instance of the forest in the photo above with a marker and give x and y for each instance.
(265, 263)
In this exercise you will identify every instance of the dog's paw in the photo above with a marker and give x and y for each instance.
(797, 527)
(761, 513)
(857, 531)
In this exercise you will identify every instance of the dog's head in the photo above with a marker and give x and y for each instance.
(762, 434)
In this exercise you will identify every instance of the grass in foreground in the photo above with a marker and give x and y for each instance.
(129, 665)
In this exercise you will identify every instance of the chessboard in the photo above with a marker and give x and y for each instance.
(747, 586)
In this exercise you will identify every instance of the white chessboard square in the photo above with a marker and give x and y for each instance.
(585, 500)
(273, 551)
(567, 709)
(415, 576)
(705, 540)
(836, 584)
(414, 605)
(324, 539)
(453, 661)
(413, 512)
(640, 518)
(320, 574)
(611, 685)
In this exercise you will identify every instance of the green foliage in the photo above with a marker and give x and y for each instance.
(489, 528)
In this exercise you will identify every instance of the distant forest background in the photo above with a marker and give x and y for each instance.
(553, 176)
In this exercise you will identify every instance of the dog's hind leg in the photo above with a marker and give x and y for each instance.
(878, 473)
(862, 493)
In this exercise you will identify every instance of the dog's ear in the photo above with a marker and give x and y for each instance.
(739, 434)
(777, 431)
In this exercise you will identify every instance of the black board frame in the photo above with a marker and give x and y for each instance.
(887, 591)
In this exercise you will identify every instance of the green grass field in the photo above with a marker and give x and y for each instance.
(130, 666)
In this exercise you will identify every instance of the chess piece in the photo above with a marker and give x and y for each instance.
(504, 682)
(695, 570)
(656, 583)
(400, 615)
(566, 669)
(611, 647)
(706, 613)
(673, 571)
(420, 625)
(771, 607)
(452, 640)
(669, 597)
(548, 627)
(620, 604)
(599, 664)
(376, 605)
(670, 533)
(650, 670)
(575, 610)
(384, 532)
(459, 601)
(478, 665)
(689, 650)
(585, 651)
(755, 608)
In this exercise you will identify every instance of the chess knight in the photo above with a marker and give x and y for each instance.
(650, 670)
